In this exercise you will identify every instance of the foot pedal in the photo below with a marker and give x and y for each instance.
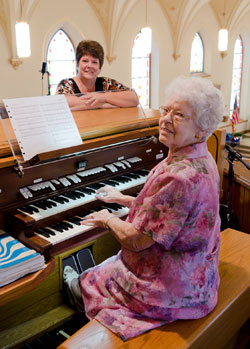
(70, 260)
(85, 259)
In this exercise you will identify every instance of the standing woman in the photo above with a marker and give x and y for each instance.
(89, 59)
(167, 268)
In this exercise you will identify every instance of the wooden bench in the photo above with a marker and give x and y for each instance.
(212, 331)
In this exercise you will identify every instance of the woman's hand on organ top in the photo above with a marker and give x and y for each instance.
(94, 99)
(111, 194)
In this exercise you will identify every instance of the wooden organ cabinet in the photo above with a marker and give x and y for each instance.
(119, 147)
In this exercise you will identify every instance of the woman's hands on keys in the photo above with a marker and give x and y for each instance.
(109, 194)
(97, 218)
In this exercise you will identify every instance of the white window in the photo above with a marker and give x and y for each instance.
(61, 61)
(197, 55)
(237, 73)
(141, 65)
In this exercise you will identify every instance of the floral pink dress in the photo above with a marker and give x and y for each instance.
(177, 277)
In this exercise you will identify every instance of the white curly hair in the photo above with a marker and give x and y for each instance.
(205, 100)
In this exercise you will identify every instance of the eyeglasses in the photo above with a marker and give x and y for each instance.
(175, 115)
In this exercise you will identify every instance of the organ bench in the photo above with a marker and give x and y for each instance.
(213, 331)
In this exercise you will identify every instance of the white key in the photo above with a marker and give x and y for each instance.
(77, 229)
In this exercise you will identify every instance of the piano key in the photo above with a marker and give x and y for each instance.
(76, 228)
(59, 199)
(30, 209)
(110, 182)
(56, 227)
(95, 186)
(132, 175)
(89, 191)
(85, 190)
(43, 233)
(123, 179)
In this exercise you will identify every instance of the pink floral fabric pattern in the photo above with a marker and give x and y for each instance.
(177, 277)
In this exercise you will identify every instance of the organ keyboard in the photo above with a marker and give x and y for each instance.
(43, 207)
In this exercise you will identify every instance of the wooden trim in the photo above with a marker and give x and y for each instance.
(27, 283)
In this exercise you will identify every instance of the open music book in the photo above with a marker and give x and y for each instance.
(17, 260)
(42, 124)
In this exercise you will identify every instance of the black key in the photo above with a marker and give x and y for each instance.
(78, 194)
(114, 206)
(142, 172)
(132, 175)
(56, 227)
(122, 179)
(88, 191)
(70, 196)
(43, 233)
(60, 199)
(84, 213)
(74, 220)
(40, 205)
(111, 182)
(81, 193)
(29, 209)
(47, 231)
(107, 208)
(53, 204)
(95, 186)
(48, 204)
(69, 225)
(62, 226)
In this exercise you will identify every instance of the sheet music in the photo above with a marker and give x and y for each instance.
(42, 124)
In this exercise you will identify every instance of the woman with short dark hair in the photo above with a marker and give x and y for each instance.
(83, 91)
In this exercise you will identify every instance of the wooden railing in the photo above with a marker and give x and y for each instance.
(240, 194)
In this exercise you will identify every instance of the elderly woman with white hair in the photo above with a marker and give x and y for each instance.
(167, 268)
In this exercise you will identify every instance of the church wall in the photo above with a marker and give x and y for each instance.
(79, 21)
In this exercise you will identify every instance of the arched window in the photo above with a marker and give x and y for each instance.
(197, 55)
(237, 73)
(61, 61)
(141, 63)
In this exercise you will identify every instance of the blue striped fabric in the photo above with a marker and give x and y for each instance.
(17, 260)
(13, 252)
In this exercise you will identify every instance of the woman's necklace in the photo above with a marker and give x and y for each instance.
(83, 88)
